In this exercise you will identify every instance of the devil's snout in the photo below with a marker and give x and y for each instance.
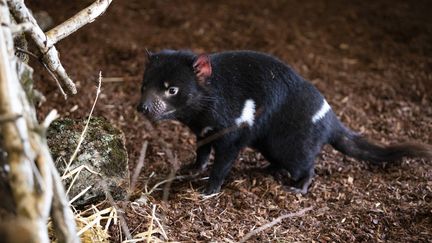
(143, 107)
(152, 107)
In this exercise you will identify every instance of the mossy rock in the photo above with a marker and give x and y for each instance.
(102, 151)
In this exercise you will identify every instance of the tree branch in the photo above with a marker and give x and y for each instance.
(20, 153)
(80, 19)
(50, 54)
(274, 222)
(15, 133)
(28, 154)
(35, 183)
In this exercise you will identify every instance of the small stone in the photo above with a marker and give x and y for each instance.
(102, 158)
(350, 180)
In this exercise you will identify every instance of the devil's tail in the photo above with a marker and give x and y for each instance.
(354, 145)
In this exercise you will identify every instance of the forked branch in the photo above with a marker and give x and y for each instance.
(80, 19)
(45, 42)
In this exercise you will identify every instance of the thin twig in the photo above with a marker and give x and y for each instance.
(112, 216)
(171, 177)
(56, 80)
(46, 68)
(121, 217)
(139, 166)
(227, 130)
(114, 80)
(77, 170)
(90, 225)
(18, 49)
(80, 194)
(52, 116)
(274, 222)
(163, 182)
(73, 180)
(150, 230)
(81, 139)
(120, 79)
(164, 235)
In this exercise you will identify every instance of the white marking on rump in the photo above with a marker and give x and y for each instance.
(205, 131)
(325, 107)
(248, 113)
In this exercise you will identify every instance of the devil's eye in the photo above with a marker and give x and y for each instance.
(172, 90)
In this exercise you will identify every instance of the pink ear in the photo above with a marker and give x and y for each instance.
(202, 68)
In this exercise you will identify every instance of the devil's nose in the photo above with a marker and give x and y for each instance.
(143, 108)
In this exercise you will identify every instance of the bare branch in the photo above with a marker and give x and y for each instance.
(56, 80)
(44, 197)
(17, 49)
(63, 219)
(49, 52)
(80, 19)
(274, 222)
(150, 231)
(139, 166)
(120, 212)
(35, 183)
(14, 132)
(31, 204)
(28, 154)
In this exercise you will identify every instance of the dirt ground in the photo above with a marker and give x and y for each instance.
(371, 59)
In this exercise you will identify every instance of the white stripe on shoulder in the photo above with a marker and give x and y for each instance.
(248, 113)
(320, 114)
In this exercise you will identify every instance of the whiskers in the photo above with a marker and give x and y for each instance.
(206, 102)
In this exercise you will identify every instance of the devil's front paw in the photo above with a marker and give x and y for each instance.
(212, 189)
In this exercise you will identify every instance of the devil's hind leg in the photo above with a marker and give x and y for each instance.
(293, 155)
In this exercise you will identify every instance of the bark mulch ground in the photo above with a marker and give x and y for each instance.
(371, 59)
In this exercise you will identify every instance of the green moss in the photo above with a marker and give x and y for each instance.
(102, 150)
(117, 154)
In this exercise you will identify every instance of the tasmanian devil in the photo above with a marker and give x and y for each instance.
(235, 99)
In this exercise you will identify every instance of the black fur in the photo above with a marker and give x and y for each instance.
(283, 130)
